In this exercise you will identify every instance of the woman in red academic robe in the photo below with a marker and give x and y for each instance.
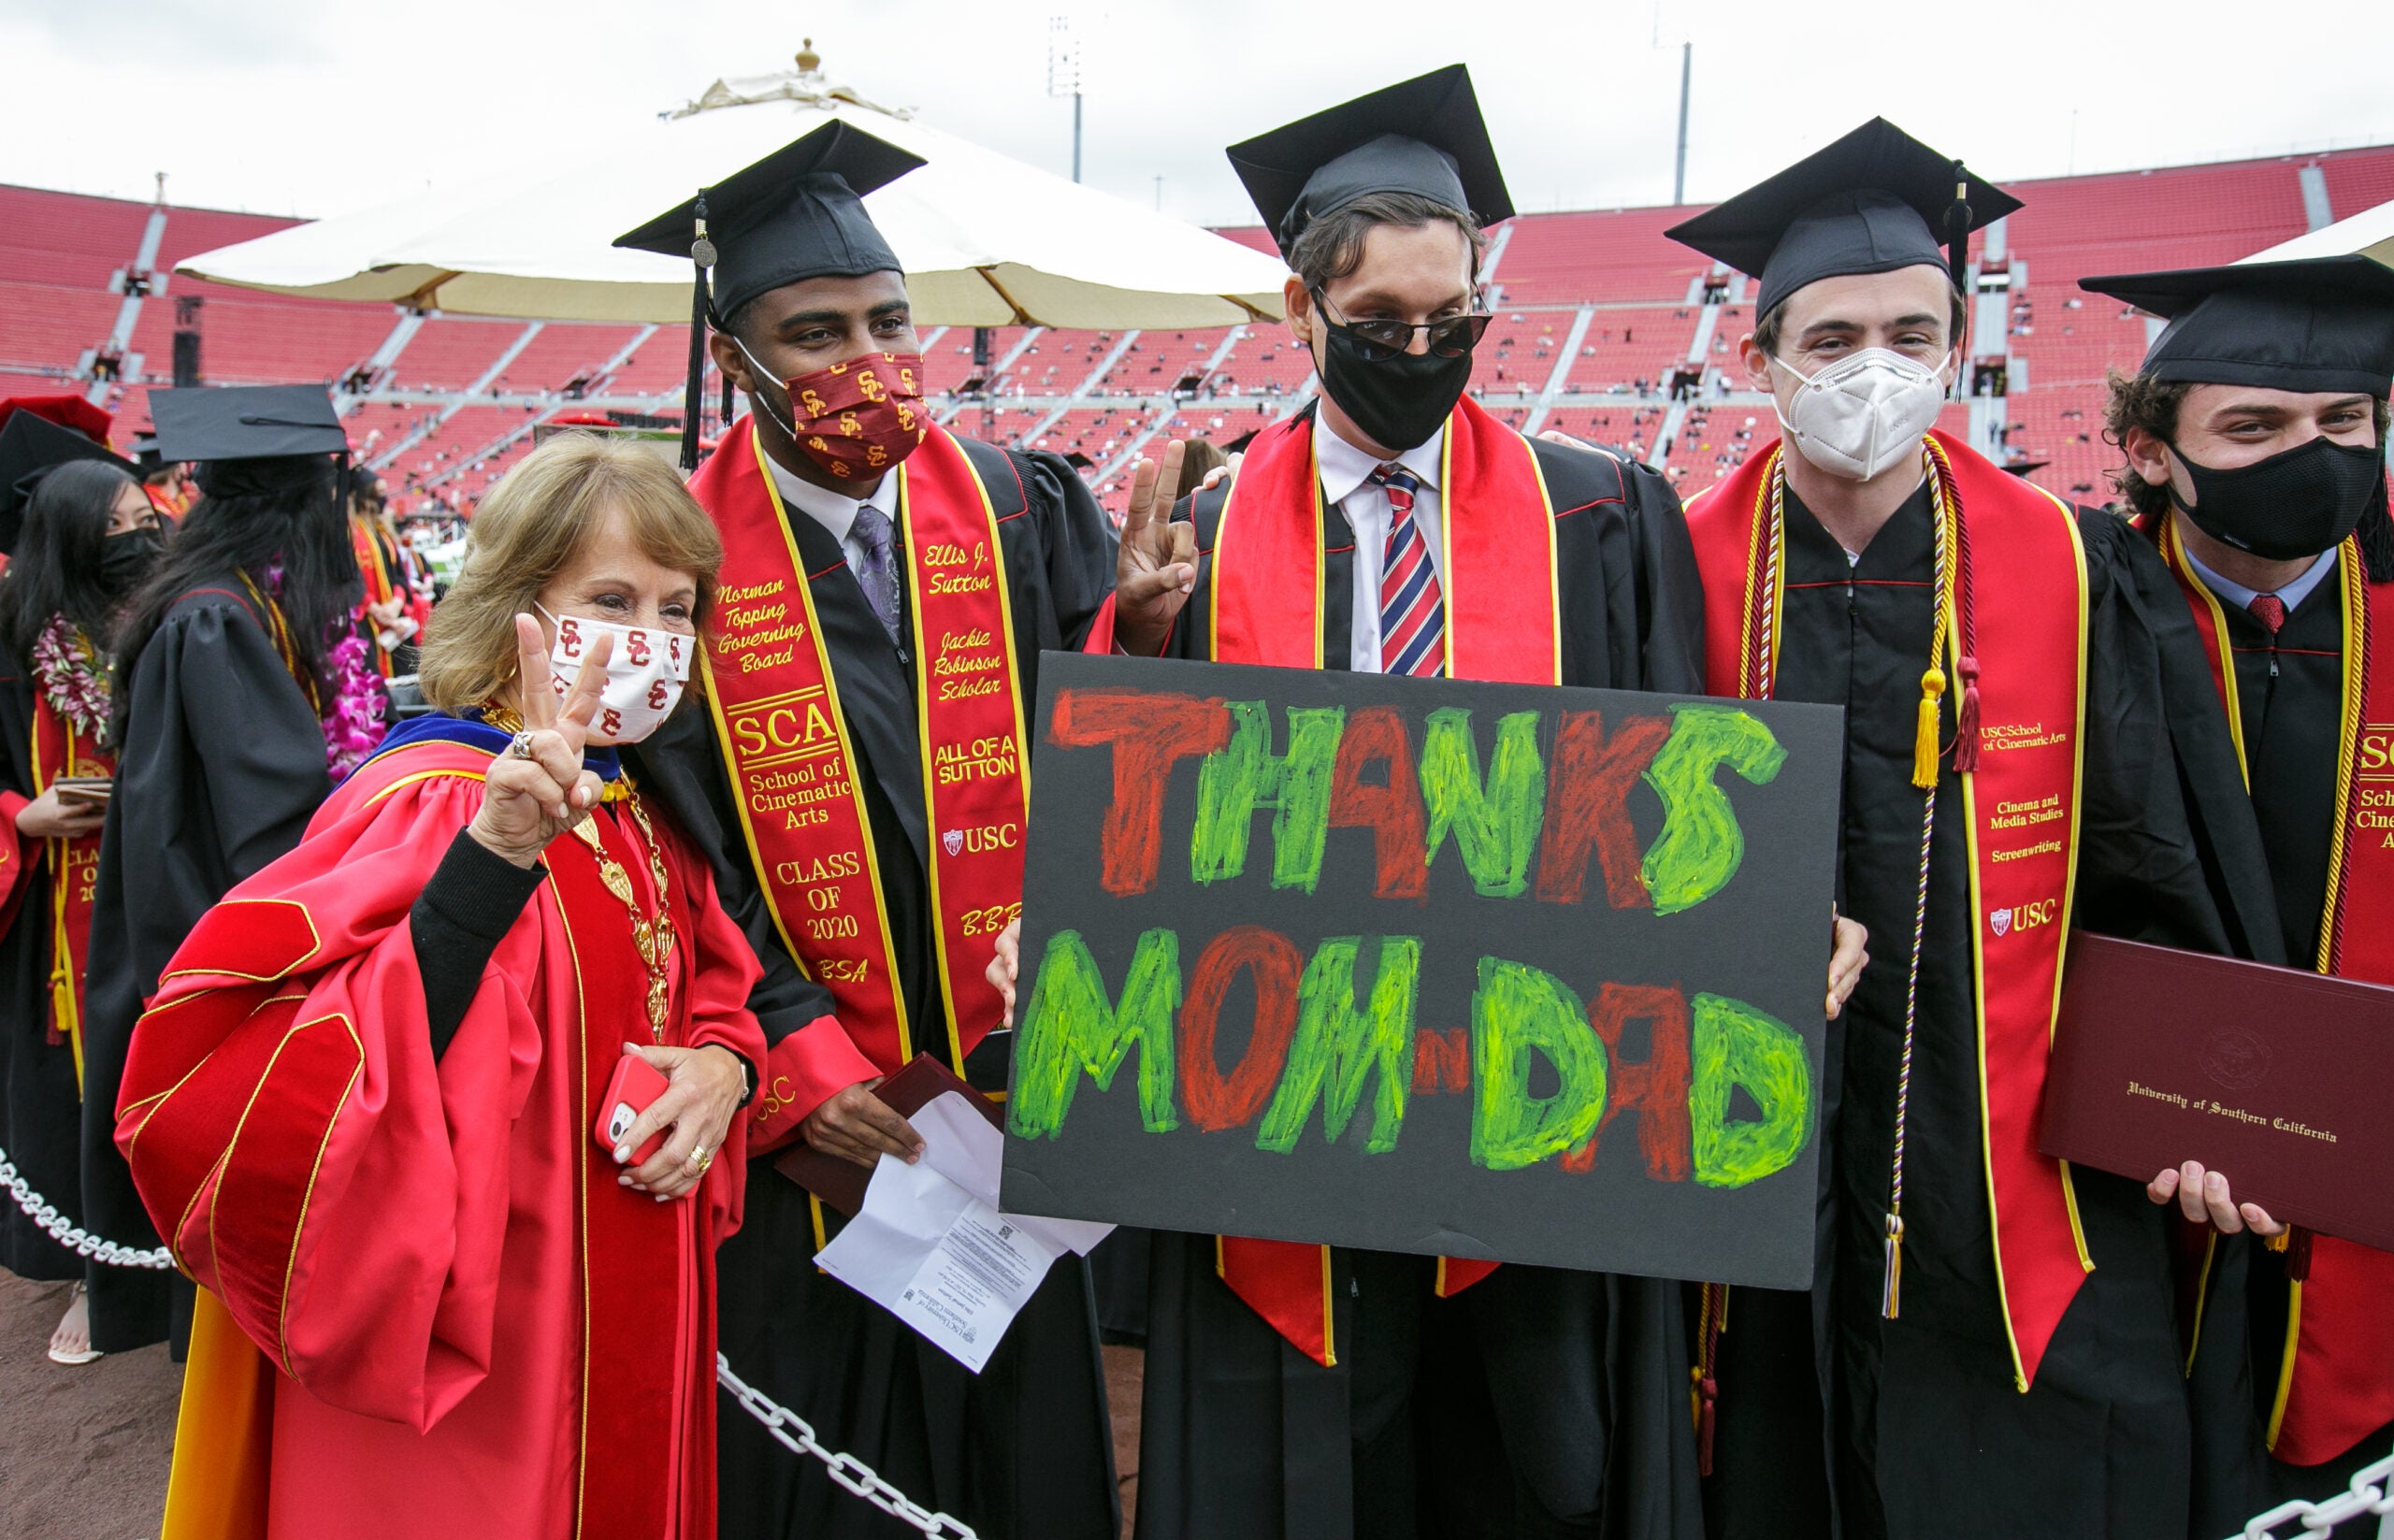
(361, 1106)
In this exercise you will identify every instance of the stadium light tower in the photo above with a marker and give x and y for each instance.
(1064, 76)
(1679, 174)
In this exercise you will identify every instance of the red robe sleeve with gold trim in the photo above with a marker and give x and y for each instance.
(343, 1194)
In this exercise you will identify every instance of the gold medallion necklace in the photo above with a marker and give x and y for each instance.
(653, 935)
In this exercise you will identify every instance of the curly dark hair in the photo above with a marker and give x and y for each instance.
(2133, 401)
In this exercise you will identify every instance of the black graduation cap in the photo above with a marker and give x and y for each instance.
(146, 455)
(1875, 201)
(2321, 324)
(31, 448)
(249, 439)
(1425, 137)
(797, 214)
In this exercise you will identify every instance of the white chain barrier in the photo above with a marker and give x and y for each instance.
(75, 1239)
(2372, 1492)
(852, 1473)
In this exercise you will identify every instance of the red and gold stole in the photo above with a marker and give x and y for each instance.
(2335, 1386)
(794, 774)
(2014, 550)
(59, 749)
(229, 1099)
(1496, 562)
(365, 543)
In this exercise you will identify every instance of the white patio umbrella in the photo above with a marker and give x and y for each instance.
(2368, 232)
(986, 241)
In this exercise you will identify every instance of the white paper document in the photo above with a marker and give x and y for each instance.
(931, 1248)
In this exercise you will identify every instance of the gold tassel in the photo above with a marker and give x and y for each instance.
(1891, 1297)
(1924, 744)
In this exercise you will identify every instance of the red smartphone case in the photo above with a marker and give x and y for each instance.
(634, 1085)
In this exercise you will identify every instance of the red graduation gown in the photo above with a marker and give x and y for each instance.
(471, 1328)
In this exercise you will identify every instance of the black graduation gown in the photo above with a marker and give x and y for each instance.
(1024, 1451)
(1922, 1429)
(223, 765)
(38, 1120)
(1535, 1403)
(2291, 694)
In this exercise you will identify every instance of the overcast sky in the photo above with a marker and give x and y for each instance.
(321, 107)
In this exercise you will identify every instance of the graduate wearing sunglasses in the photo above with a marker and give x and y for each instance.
(1394, 527)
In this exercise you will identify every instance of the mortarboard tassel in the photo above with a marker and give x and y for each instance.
(1957, 229)
(1891, 1294)
(701, 258)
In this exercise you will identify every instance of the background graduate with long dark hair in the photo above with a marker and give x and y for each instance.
(241, 693)
(81, 535)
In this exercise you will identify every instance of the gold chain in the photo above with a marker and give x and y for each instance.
(651, 934)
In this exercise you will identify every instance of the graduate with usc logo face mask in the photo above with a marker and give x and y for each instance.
(840, 501)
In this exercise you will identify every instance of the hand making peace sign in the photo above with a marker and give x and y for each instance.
(537, 788)
(1155, 568)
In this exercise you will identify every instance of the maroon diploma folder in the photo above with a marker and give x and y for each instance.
(2282, 1079)
(842, 1183)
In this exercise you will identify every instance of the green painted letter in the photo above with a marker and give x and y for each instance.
(1337, 1047)
(1069, 1027)
(1735, 1044)
(1700, 846)
(1517, 1011)
(1245, 775)
(1495, 823)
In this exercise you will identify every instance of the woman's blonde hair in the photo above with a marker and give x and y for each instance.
(526, 532)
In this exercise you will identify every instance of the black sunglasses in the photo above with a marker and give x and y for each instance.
(1378, 339)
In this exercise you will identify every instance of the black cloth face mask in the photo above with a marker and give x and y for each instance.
(126, 558)
(2298, 503)
(1396, 401)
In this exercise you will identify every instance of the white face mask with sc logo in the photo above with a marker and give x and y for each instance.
(1865, 413)
(645, 672)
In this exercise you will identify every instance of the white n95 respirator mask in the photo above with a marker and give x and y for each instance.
(1863, 414)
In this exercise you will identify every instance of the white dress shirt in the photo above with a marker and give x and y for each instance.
(837, 512)
(2232, 592)
(1346, 481)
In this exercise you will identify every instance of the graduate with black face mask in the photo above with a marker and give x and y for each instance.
(80, 533)
(1312, 1393)
(2254, 433)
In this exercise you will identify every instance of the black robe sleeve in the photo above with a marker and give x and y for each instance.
(2168, 849)
(223, 765)
(457, 922)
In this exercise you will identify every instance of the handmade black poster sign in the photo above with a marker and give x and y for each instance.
(1479, 970)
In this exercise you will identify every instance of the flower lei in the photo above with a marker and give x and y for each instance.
(353, 718)
(354, 725)
(74, 678)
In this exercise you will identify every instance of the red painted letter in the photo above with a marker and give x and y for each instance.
(1587, 807)
(1655, 1088)
(1151, 733)
(1216, 1100)
(1391, 810)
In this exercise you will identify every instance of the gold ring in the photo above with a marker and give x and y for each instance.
(701, 1157)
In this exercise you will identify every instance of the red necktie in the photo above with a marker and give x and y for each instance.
(1413, 612)
(2269, 610)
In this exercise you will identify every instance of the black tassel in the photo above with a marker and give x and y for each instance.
(694, 396)
(1957, 231)
(723, 418)
(2376, 534)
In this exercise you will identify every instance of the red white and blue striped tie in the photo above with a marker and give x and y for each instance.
(1413, 610)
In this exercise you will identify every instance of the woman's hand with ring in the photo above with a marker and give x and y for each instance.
(538, 789)
(701, 1098)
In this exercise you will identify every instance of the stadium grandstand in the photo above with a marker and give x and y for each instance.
(1603, 328)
